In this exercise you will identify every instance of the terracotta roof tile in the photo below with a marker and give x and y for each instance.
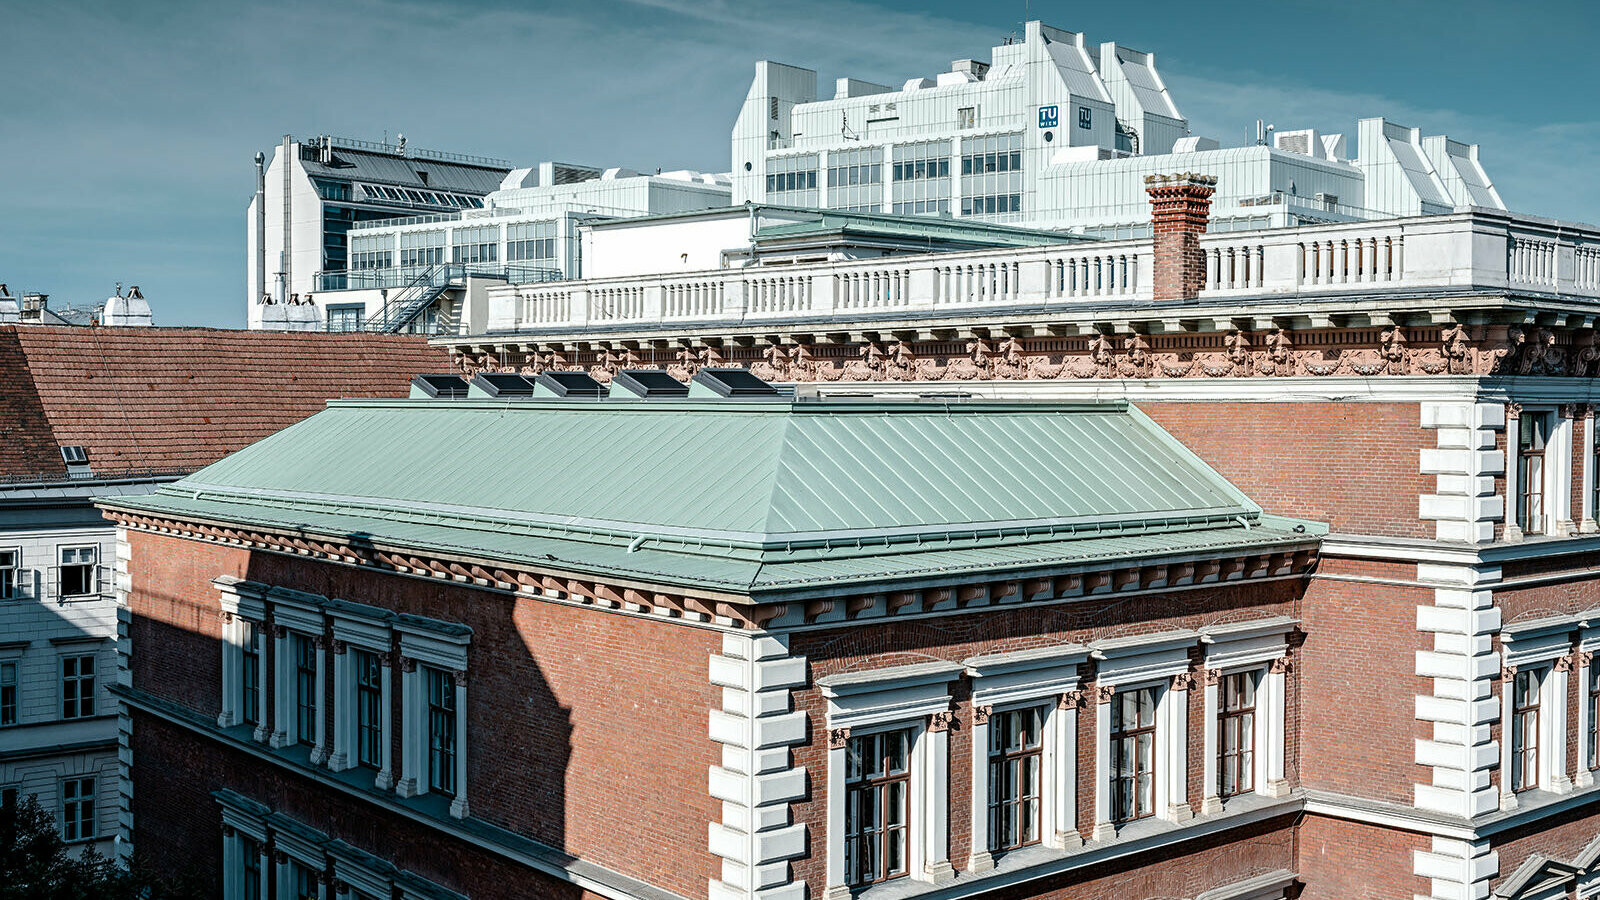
(179, 398)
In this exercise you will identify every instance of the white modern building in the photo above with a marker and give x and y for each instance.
(1054, 133)
(420, 273)
(312, 192)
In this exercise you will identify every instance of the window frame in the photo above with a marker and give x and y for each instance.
(879, 787)
(1532, 508)
(14, 701)
(11, 575)
(93, 576)
(1521, 714)
(441, 727)
(999, 800)
(1119, 815)
(1592, 757)
(1244, 752)
(72, 825)
(305, 674)
(77, 680)
(369, 700)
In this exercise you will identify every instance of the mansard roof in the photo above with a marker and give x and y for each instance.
(735, 495)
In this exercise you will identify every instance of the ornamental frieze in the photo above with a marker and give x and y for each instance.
(1276, 353)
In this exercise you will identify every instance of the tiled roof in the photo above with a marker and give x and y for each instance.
(179, 398)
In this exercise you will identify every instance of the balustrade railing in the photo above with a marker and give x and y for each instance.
(1463, 250)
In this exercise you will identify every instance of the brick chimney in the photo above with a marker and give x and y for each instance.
(1180, 207)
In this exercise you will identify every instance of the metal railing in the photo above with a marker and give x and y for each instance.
(375, 224)
(415, 152)
(402, 276)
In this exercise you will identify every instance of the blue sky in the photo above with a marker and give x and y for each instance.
(127, 129)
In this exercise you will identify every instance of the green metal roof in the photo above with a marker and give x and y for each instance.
(734, 496)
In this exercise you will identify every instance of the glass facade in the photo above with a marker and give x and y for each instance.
(991, 176)
(922, 178)
(420, 249)
(792, 180)
(372, 251)
(532, 242)
(855, 179)
(476, 245)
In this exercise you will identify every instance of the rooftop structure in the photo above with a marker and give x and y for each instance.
(1054, 133)
(313, 191)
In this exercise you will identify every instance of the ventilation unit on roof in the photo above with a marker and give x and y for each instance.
(500, 385)
(650, 384)
(439, 387)
(731, 383)
(571, 385)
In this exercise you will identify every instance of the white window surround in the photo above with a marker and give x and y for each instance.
(1161, 661)
(914, 696)
(301, 614)
(96, 577)
(293, 843)
(1586, 511)
(1254, 645)
(1018, 680)
(241, 603)
(440, 645)
(357, 870)
(1538, 644)
(1557, 506)
(242, 818)
(366, 628)
(1588, 646)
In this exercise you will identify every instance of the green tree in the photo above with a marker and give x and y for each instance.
(36, 864)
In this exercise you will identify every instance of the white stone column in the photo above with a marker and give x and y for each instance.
(980, 859)
(319, 746)
(385, 779)
(232, 865)
(458, 806)
(413, 755)
(1586, 522)
(1561, 441)
(231, 666)
(285, 877)
(264, 864)
(1585, 777)
(1103, 829)
(282, 682)
(1063, 798)
(1277, 692)
(345, 712)
(1508, 686)
(1513, 532)
(838, 741)
(1175, 775)
(1556, 741)
(936, 801)
(1210, 803)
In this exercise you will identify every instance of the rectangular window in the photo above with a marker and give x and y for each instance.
(991, 176)
(78, 571)
(1594, 712)
(532, 241)
(346, 317)
(250, 683)
(877, 807)
(77, 686)
(855, 179)
(251, 852)
(303, 882)
(77, 809)
(792, 180)
(477, 245)
(9, 578)
(420, 249)
(8, 796)
(1533, 430)
(1236, 734)
(1133, 742)
(1525, 730)
(305, 689)
(967, 117)
(8, 693)
(1016, 745)
(921, 176)
(441, 731)
(369, 709)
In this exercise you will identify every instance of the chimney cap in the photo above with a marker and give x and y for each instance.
(1182, 178)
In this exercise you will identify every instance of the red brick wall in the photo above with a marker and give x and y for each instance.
(1558, 837)
(179, 824)
(1578, 594)
(872, 645)
(1357, 673)
(588, 728)
(1340, 860)
(1352, 465)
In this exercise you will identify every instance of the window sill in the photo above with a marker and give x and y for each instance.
(1039, 861)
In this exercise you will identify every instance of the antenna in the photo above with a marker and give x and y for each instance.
(844, 128)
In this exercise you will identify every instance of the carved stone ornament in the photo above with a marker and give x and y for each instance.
(226, 617)
(941, 721)
(1508, 673)
(980, 714)
(1072, 700)
(1279, 665)
(386, 658)
(407, 664)
(1103, 693)
(1585, 657)
(1513, 411)
(1563, 664)
(1182, 681)
(1213, 677)
(227, 831)
(838, 738)
(339, 647)
(461, 677)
